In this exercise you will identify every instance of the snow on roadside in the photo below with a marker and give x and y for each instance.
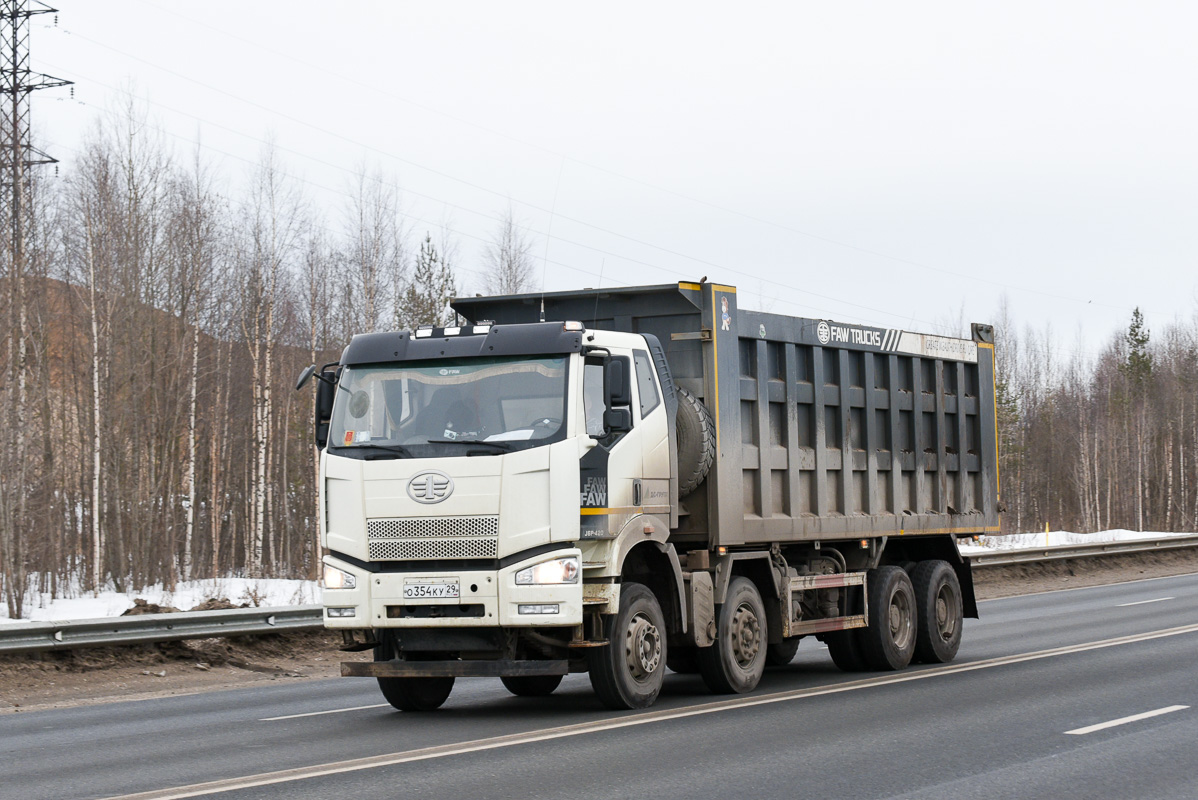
(263, 592)
(1020, 541)
(279, 592)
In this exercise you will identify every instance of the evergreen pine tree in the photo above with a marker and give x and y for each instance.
(425, 301)
(1138, 367)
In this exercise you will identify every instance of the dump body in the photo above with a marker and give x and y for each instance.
(824, 430)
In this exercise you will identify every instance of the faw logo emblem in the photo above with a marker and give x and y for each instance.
(430, 487)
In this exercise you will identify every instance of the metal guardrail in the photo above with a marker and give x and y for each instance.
(1003, 558)
(31, 637)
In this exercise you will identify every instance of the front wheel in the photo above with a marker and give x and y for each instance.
(416, 694)
(629, 671)
(683, 659)
(531, 685)
(781, 653)
(410, 694)
(735, 662)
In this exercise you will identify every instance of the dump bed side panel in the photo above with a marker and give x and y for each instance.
(850, 430)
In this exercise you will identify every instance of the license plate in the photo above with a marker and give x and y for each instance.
(417, 591)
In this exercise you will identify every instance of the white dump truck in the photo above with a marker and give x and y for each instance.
(625, 481)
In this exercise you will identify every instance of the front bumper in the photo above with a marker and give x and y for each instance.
(487, 598)
(452, 669)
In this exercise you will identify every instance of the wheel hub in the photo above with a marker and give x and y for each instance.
(746, 635)
(946, 613)
(642, 647)
(901, 628)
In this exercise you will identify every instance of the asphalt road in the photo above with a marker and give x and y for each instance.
(1036, 705)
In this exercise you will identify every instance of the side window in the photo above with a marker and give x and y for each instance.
(646, 382)
(592, 398)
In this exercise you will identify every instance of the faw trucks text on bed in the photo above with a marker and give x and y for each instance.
(651, 478)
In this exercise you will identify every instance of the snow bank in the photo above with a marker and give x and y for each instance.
(263, 592)
(1020, 541)
(279, 592)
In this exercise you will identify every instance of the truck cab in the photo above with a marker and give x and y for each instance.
(473, 476)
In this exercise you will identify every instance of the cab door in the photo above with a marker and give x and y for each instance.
(610, 472)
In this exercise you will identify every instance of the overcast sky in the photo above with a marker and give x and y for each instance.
(897, 164)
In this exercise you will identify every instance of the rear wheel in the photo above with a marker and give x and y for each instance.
(781, 653)
(531, 685)
(889, 641)
(938, 610)
(628, 673)
(735, 662)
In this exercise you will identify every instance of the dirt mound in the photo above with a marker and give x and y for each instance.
(217, 604)
(1069, 573)
(141, 606)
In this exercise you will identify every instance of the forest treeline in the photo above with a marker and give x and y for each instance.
(154, 328)
(152, 333)
(1094, 440)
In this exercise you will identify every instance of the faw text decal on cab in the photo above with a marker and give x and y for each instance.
(594, 493)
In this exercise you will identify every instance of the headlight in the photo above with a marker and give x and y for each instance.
(338, 579)
(559, 570)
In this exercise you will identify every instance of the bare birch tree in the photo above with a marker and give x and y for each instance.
(508, 260)
(267, 244)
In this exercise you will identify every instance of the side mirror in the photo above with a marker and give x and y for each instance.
(305, 376)
(616, 383)
(325, 392)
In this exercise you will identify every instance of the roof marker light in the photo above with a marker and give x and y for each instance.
(424, 332)
(573, 325)
(452, 331)
(481, 329)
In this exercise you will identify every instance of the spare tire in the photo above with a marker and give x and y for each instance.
(696, 442)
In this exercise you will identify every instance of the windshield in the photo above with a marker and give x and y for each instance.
(468, 406)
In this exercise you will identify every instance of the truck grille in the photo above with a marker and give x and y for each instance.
(428, 538)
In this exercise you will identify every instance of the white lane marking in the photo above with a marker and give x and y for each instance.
(320, 713)
(1124, 720)
(545, 734)
(1142, 602)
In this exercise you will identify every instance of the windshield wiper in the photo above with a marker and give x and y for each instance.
(390, 448)
(503, 447)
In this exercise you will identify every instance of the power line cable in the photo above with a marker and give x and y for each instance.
(449, 176)
(492, 217)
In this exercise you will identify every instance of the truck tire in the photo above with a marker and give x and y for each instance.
(683, 659)
(416, 694)
(845, 646)
(735, 662)
(782, 653)
(845, 649)
(888, 643)
(695, 428)
(410, 694)
(531, 685)
(938, 610)
(628, 673)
